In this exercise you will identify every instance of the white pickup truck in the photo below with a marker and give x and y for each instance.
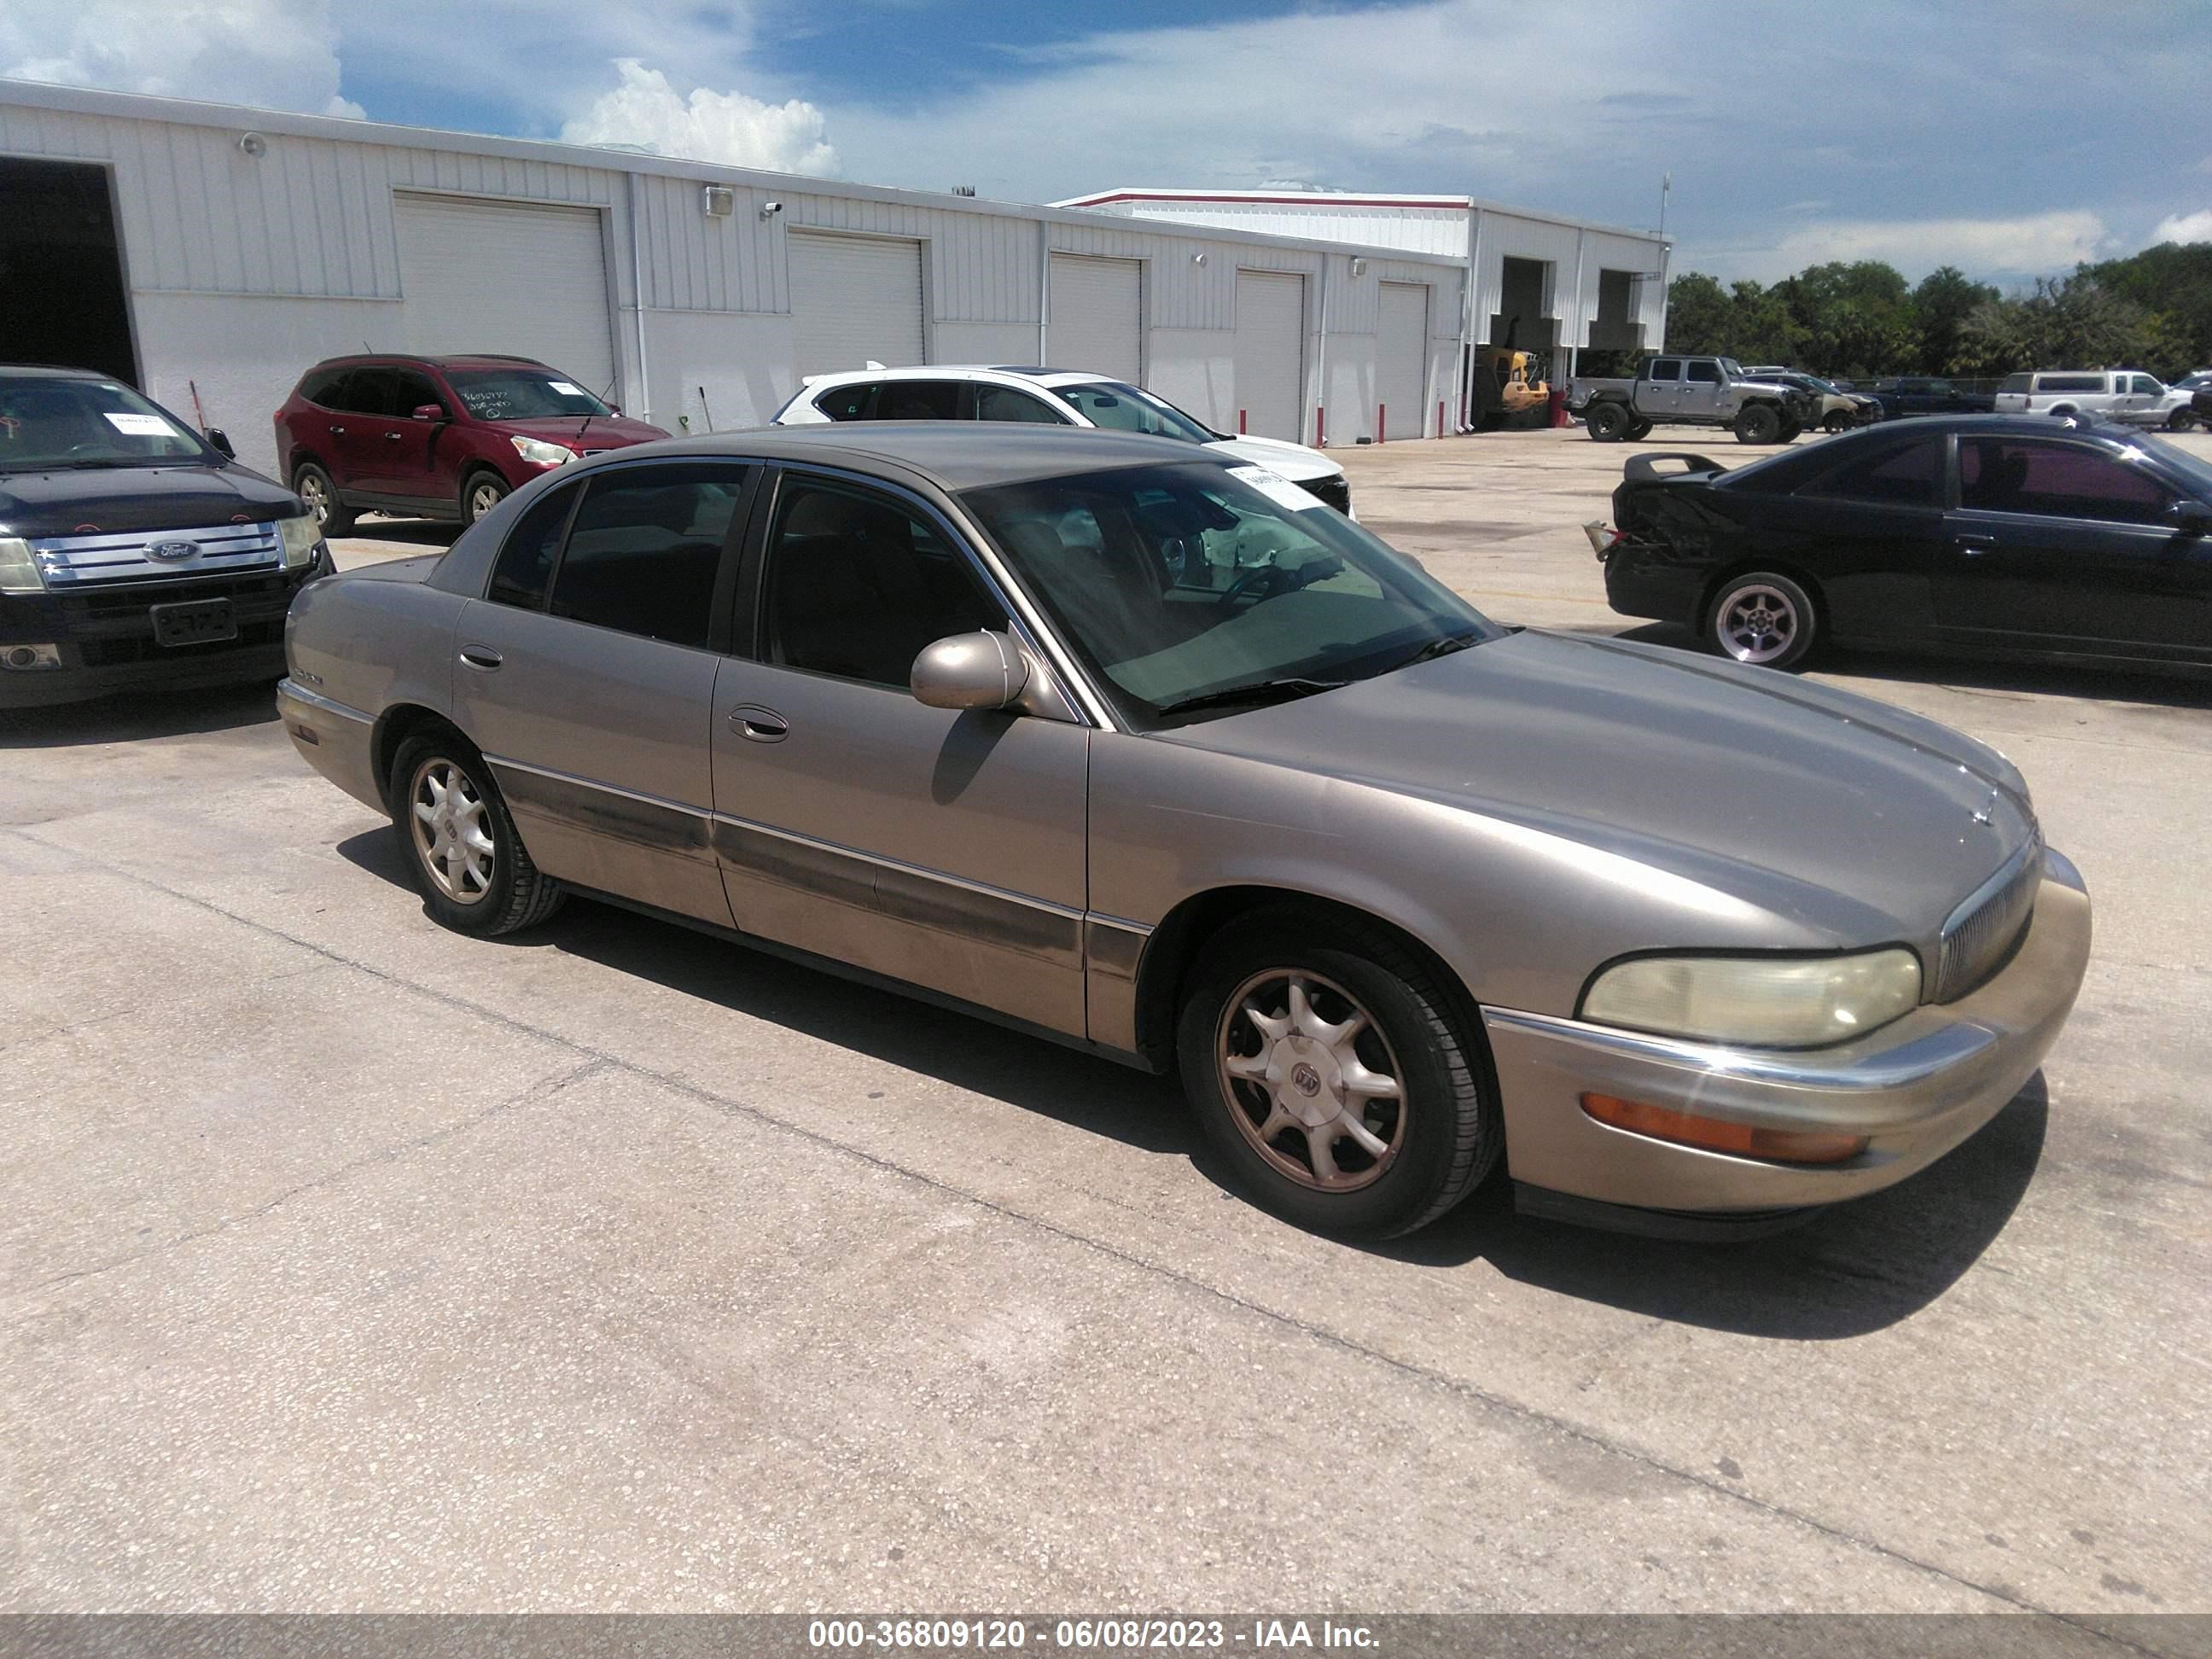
(1691, 391)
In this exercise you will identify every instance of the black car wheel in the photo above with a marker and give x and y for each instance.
(470, 866)
(480, 492)
(1763, 618)
(1329, 1070)
(313, 487)
(1607, 422)
(1638, 431)
(2182, 420)
(1759, 423)
(1837, 422)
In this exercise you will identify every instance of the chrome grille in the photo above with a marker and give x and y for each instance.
(128, 555)
(1982, 932)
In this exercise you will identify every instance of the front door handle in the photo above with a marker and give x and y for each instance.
(1972, 543)
(393, 437)
(759, 725)
(337, 431)
(482, 658)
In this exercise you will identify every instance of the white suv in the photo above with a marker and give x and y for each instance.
(1048, 396)
(2118, 394)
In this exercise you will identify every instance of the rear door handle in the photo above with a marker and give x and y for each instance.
(482, 658)
(758, 724)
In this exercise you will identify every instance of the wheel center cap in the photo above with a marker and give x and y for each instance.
(1306, 1075)
(1305, 1079)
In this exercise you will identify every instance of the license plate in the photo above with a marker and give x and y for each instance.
(197, 623)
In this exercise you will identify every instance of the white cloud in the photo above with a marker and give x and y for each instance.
(2032, 243)
(276, 54)
(2183, 228)
(708, 126)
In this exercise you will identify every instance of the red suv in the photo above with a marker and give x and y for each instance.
(434, 437)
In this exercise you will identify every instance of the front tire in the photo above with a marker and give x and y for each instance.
(2181, 420)
(1762, 618)
(1759, 423)
(1607, 422)
(481, 492)
(313, 486)
(1837, 422)
(1329, 1069)
(459, 842)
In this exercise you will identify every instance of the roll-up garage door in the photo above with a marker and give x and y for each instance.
(1270, 335)
(855, 300)
(1402, 359)
(1095, 318)
(496, 276)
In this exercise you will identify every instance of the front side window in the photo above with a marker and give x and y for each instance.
(524, 569)
(857, 584)
(2060, 480)
(1664, 368)
(2146, 386)
(1196, 589)
(1893, 474)
(1120, 407)
(414, 391)
(917, 400)
(644, 548)
(48, 424)
(1004, 403)
(1703, 374)
(521, 394)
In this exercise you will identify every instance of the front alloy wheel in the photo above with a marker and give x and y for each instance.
(1312, 1080)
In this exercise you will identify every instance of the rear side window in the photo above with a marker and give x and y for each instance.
(644, 550)
(2061, 480)
(919, 400)
(365, 392)
(1893, 475)
(1664, 368)
(2071, 383)
(525, 563)
(847, 403)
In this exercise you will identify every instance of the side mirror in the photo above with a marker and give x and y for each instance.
(2193, 518)
(614, 408)
(429, 411)
(969, 671)
(220, 440)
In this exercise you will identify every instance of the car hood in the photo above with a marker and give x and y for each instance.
(1292, 461)
(603, 431)
(1854, 821)
(174, 497)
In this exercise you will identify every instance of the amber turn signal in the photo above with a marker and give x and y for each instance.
(1715, 1135)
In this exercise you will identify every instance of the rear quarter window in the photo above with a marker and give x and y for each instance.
(2016, 383)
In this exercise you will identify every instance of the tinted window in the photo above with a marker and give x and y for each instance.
(2014, 383)
(1894, 475)
(644, 549)
(2144, 383)
(364, 391)
(1703, 373)
(2073, 480)
(525, 563)
(1003, 403)
(2071, 383)
(917, 400)
(1665, 368)
(320, 386)
(847, 403)
(413, 388)
(858, 584)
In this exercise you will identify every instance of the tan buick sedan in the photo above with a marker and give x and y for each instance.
(1151, 752)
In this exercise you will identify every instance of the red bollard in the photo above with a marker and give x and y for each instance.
(1382, 420)
(1558, 405)
(1240, 422)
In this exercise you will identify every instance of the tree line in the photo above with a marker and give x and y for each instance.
(2151, 310)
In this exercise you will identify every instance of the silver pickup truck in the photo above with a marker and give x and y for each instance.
(1692, 391)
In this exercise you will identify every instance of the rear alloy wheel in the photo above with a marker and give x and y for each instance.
(314, 489)
(1763, 618)
(1607, 422)
(469, 863)
(483, 492)
(1329, 1070)
(1758, 423)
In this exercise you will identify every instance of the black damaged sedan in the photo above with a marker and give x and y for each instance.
(1979, 534)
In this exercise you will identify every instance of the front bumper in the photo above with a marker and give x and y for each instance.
(1916, 1088)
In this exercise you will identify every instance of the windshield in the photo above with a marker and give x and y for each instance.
(521, 394)
(2193, 467)
(1735, 369)
(1197, 581)
(47, 424)
(1123, 408)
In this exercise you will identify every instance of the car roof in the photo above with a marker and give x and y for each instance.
(459, 359)
(956, 455)
(1037, 375)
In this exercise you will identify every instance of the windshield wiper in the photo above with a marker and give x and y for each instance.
(1254, 693)
(1435, 648)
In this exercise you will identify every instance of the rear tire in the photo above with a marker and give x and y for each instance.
(313, 485)
(1638, 431)
(1762, 619)
(1758, 423)
(1609, 423)
(461, 844)
(1416, 1085)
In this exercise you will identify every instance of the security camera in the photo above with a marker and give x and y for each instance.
(252, 143)
(769, 210)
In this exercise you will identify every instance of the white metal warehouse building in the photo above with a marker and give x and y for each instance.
(210, 254)
(1535, 280)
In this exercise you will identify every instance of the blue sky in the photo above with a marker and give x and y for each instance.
(2012, 138)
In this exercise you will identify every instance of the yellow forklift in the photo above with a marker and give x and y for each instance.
(1509, 386)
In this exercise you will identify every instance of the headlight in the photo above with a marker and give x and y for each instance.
(1761, 1002)
(19, 573)
(538, 452)
(300, 536)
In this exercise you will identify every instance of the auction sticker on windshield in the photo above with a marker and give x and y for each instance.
(565, 389)
(1276, 488)
(139, 426)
